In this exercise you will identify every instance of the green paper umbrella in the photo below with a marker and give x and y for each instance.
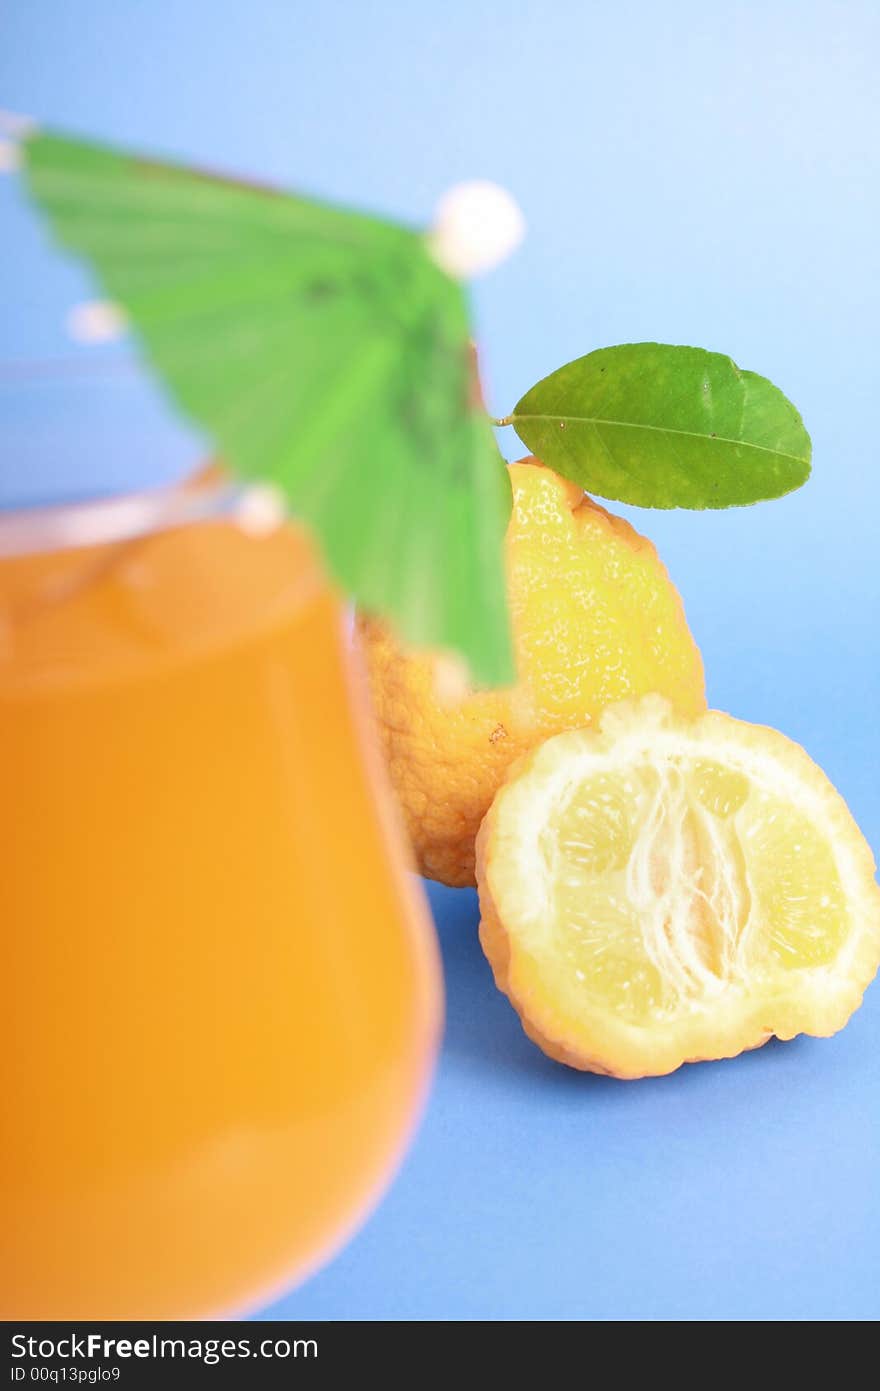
(323, 350)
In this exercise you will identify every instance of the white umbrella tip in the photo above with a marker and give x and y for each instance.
(261, 509)
(10, 156)
(13, 129)
(97, 321)
(15, 124)
(477, 224)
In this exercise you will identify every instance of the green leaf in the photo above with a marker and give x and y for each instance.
(662, 426)
(323, 350)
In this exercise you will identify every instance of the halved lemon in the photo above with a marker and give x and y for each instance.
(664, 890)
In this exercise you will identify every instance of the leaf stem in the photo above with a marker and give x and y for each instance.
(501, 420)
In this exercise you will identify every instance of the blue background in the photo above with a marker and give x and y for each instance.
(691, 173)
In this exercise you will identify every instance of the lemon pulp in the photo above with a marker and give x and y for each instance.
(672, 884)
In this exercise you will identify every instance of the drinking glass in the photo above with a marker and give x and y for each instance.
(221, 996)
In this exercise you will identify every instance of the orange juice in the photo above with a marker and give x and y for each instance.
(219, 998)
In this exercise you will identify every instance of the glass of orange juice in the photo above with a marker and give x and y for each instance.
(220, 997)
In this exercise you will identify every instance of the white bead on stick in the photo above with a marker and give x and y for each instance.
(10, 156)
(13, 129)
(97, 321)
(260, 509)
(476, 226)
(17, 125)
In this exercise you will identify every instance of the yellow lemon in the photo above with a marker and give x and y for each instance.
(596, 619)
(662, 890)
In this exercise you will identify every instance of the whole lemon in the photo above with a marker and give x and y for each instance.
(596, 619)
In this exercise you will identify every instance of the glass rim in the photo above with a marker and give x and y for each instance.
(256, 508)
